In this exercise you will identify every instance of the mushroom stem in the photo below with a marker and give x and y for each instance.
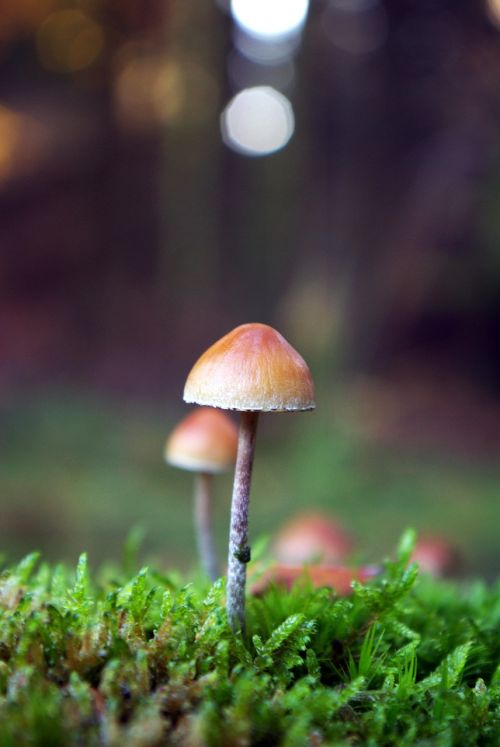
(239, 551)
(203, 522)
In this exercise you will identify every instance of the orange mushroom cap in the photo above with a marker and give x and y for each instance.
(204, 441)
(251, 368)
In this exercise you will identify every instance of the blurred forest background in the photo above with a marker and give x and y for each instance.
(136, 229)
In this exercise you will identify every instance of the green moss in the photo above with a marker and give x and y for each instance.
(146, 660)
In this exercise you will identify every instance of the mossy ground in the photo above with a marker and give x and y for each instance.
(148, 660)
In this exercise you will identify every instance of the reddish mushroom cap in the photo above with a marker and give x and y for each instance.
(204, 441)
(251, 368)
(339, 578)
(310, 537)
(436, 555)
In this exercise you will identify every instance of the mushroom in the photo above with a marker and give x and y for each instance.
(311, 537)
(336, 577)
(251, 369)
(436, 556)
(205, 443)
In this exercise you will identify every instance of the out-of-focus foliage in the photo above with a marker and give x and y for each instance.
(77, 472)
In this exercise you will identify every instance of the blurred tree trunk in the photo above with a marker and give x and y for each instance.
(400, 139)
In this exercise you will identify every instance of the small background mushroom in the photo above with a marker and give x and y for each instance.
(205, 443)
(339, 578)
(437, 556)
(311, 537)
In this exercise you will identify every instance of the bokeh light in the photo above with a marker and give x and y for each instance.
(493, 11)
(21, 16)
(154, 89)
(9, 129)
(69, 41)
(258, 121)
(24, 143)
(266, 51)
(270, 18)
(148, 91)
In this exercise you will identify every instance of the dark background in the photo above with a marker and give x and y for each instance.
(132, 237)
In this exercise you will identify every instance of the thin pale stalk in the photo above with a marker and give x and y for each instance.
(239, 551)
(203, 523)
